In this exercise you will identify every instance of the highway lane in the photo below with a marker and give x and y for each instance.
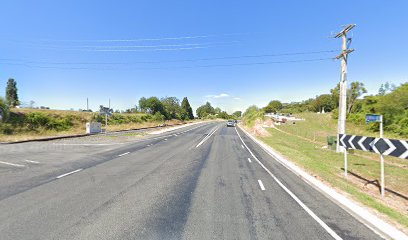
(201, 184)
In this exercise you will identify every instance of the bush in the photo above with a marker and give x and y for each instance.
(6, 129)
(158, 117)
(36, 120)
(4, 109)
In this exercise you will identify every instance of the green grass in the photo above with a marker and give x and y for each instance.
(327, 165)
(302, 142)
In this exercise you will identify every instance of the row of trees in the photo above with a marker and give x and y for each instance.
(208, 111)
(323, 102)
(168, 107)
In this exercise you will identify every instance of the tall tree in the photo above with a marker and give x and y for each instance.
(273, 106)
(355, 91)
(172, 107)
(205, 110)
(185, 105)
(237, 114)
(11, 93)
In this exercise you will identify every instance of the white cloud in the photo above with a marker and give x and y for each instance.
(237, 98)
(222, 95)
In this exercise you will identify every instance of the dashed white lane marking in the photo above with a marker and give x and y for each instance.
(207, 137)
(249, 160)
(306, 208)
(123, 154)
(29, 161)
(165, 139)
(242, 146)
(261, 185)
(175, 135)
(12, 164)
(66, 174)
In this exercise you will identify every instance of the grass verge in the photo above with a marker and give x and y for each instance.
(303, 143)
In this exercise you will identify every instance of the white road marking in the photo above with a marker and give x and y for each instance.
(249, 160)
(12, 164)
(123, 154)
(29, 161)
(307, 209)
(175, 135)
(165, 139)
(207, 137)
(242, 146)
(66, 174)
(261, 185)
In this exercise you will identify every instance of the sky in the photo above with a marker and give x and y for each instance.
(231, 53)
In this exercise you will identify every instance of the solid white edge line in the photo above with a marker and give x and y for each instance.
(69, 173)
(370, 220)
(29, 161)
(307, 209)
(12, 164)
(249, 160)
(123, 154)
(261, 185)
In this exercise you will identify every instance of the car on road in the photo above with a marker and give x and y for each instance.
(230, 123)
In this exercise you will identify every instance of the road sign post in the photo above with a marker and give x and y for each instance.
(382, 159)
(379, 118)
(345, 161)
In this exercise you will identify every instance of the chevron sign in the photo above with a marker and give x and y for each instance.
(384, 146)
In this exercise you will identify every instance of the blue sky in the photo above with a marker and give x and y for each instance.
(61, 52)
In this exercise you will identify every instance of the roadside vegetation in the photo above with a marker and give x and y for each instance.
(29, 122)
(305, 143)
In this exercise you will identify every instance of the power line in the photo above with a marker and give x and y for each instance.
(181, 67)
(24, 61)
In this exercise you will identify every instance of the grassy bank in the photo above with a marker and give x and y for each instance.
(303, 143)
(24, 124)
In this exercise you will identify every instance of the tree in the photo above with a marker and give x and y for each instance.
(152, 105)
(11, 93)
(185, 105)
(237, 114)
(205, 110)
(324, 101)
(273, 106)
(172, 107)
(143, 104)
(356, 90)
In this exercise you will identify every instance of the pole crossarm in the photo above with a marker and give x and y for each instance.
(344, 53)
(345, 30)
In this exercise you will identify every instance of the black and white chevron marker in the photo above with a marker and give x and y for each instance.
(384, 146)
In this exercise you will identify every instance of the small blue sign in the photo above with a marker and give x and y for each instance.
(373, 118)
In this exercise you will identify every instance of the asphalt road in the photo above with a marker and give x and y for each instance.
(198, 182)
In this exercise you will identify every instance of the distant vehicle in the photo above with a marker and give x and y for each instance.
(230, 123)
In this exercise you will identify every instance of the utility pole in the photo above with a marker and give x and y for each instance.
(341, 127)
(87, 104)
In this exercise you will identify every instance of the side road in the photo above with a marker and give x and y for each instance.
(376, 224)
